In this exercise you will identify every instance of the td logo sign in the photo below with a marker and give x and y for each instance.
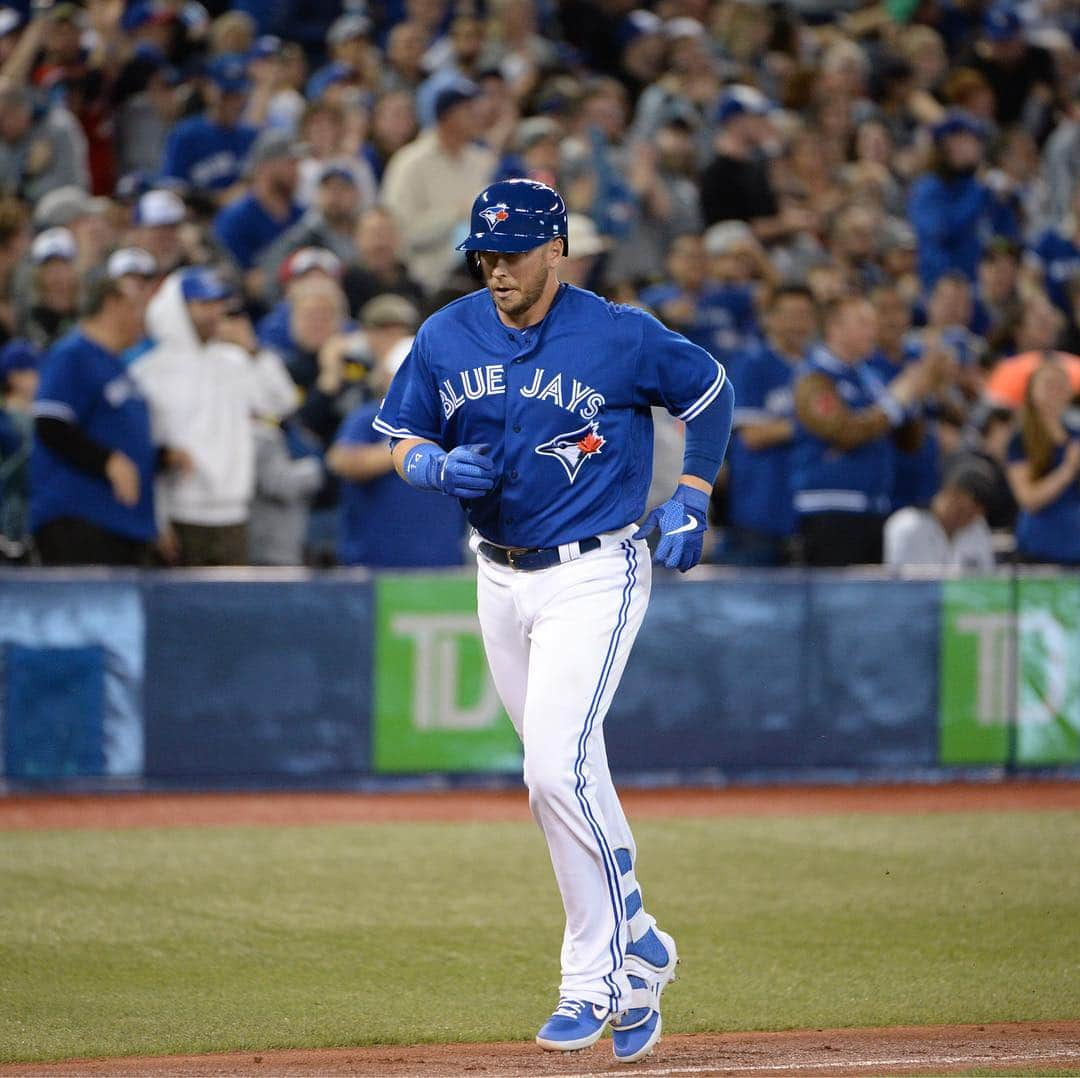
(1010, 655)
(436, 708)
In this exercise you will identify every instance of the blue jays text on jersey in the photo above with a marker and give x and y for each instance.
(565, 406)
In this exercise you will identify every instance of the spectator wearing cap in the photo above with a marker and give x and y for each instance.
(147, 100)
(207, 152)
(735, 184)
(206, 381)
(950, 533)
(248, 226)
(39, 151)
(377, 266)
(642, 51)
(383, 522)
(156, 224)
(306, 262)
(1054, 257)
(585, 247)
(951, 209)
(88, 219)
(54, 288)
(718, 318)
(329, 224)
(275, 101)
(1044, 470)
(93, 461)
(19, 362)
(351, 56)
(430, 185)
(326, 134)
(1021, 75)
(760, 514)
(842, 462)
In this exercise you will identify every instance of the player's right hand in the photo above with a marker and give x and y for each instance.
(467, 471)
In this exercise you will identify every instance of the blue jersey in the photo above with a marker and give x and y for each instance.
(1057, 259)
(86, 385)
(829, 480)
(1050, 534)
(724, 317)
(206, 155)
(385, 523)
(759, 487)
(916, 474)
(246, 229)
(563, 404)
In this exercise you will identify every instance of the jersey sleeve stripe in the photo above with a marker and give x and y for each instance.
(54, 410)
(392, 432)
(707, 397)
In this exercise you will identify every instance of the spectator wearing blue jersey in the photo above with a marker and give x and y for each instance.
(248, 226)
(1044, 470)
(954, 213)
(93, 460)
(383, 521)
(207, 152)
(718, 318)
(350, 54)
(842, 463)
(916, 467)
(1055, 256)
(761, 516)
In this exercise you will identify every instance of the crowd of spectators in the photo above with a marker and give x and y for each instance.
(221, 223)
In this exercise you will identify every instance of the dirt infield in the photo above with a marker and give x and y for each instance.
(30, 812)
(1008, 1048)
(846, 1052)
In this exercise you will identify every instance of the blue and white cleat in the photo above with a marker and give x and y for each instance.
(650, 966)
(576, 1024)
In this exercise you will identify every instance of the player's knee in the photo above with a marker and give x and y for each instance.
(547, 782)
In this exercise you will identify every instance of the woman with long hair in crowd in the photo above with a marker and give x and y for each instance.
(1044, 471)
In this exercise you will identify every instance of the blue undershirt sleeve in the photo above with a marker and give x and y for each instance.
(707, 436)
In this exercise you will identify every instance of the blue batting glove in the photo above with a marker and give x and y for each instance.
(464, 472)
(682, 520)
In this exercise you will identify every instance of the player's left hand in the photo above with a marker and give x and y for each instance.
(682, 520)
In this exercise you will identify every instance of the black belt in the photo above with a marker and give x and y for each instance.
(529, 559)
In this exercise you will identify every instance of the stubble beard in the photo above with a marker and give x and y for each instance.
(530, 293)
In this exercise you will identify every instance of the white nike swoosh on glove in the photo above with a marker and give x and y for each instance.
(690, 525)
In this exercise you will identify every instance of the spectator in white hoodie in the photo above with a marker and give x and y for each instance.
(206, 380)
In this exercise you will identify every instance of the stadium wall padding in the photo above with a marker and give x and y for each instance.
(230, 679)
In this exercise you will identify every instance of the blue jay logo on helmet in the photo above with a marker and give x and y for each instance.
(494, 214)
(573, 449)
(515, 216)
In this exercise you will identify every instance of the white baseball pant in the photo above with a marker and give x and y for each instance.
(557, 641)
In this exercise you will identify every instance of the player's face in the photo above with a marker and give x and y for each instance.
(516, 281)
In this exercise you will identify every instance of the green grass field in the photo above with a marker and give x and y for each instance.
(196, 940)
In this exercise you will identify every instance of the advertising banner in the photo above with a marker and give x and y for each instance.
(436, 708)
(1010, 653)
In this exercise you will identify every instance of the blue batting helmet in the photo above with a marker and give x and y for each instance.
(515, 215)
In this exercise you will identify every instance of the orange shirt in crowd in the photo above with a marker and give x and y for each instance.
(1008, 380)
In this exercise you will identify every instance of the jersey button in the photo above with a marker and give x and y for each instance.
(517, 428)
(514, 474)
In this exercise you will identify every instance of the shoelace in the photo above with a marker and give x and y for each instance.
(570, 1008)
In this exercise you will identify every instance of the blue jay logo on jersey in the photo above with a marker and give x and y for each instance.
(495, 215)
(573, 449)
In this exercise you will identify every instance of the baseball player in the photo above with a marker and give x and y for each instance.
(530, 401)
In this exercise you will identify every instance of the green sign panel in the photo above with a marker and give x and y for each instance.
(436, 708)
(1010, 653)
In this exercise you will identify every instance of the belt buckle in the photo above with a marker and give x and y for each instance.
(512, 552)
